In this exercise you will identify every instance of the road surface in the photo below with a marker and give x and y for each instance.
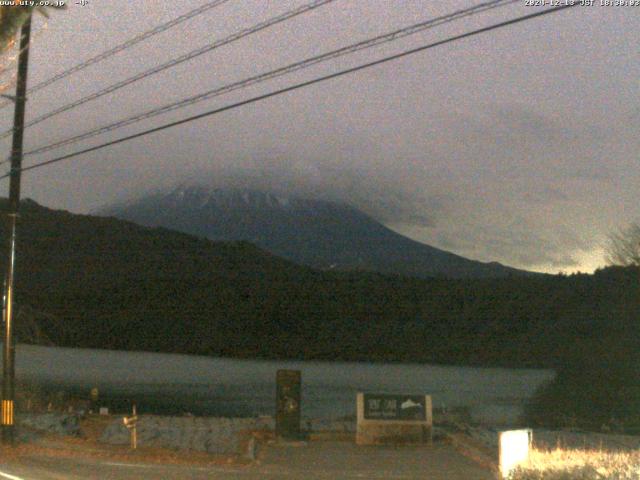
(323, 460)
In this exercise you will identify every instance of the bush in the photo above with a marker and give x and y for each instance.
(597, 387)
(567, 464)
(576, 473)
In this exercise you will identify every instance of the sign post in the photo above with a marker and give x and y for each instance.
(288, 398)
(132, 424)
(93, 399)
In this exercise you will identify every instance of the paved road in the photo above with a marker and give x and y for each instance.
(314, 461)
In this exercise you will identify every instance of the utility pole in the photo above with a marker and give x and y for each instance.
(8, 352)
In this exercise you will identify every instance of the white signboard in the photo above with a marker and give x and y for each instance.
(393, 419)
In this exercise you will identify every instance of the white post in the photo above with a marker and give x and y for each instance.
(514, 449)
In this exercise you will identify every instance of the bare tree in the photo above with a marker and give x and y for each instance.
(623, 247)
(11, 19)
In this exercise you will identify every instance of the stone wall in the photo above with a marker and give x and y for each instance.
(205, 434)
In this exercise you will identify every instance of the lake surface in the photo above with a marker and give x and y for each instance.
(169, 383)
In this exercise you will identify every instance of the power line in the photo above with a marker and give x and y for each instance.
(299, 86)
(369, 43)
(181, 59)
(123, 46)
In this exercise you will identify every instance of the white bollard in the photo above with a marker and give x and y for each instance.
(514, 449)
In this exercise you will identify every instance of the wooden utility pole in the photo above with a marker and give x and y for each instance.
(8, 352)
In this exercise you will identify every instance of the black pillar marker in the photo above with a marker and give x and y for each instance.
(288, 400)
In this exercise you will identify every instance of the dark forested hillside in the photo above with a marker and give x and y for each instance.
(106, 283)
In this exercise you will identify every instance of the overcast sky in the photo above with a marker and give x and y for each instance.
(519, 146)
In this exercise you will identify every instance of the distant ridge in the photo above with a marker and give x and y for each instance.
(316, 233)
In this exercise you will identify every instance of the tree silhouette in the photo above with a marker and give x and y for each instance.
(11, 19)
(623, 247)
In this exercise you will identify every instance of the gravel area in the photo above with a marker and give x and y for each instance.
(323, 425)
